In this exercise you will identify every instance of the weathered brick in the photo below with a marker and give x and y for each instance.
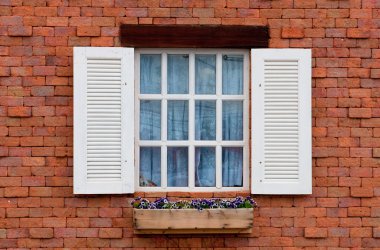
(19, 111)
(292, 32)
(88, 31)
(42, 233)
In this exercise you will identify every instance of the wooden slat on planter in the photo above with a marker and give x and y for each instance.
(193, 36)
(193, 221)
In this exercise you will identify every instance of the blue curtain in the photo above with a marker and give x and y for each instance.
(232, 69)
(232, 123)
(232, 166)
(150, 166)
(178, 74)
(150, 120)
(205, 74)
(205, 167)
(177, 162)
(150, 74)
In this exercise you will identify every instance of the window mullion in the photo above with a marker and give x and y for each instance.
(218, 150)
(164, 109)
(191, 167)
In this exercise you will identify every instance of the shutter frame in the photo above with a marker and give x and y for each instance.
(260, 182)
(124, 182)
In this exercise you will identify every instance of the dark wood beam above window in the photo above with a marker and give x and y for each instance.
(193, 36)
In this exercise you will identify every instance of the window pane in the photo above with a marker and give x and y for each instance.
(205, 76)
(150, 166)
(178, 120)
(232, 120)
(205, 120)
(232, 162)
(205, 167)
(150, 74)
(177, 166)
(232, 74)
(178, 74)
(150, 120)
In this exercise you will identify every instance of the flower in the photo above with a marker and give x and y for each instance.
(200, 204)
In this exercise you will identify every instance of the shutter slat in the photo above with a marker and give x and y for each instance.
(113, 94)
(281, 115)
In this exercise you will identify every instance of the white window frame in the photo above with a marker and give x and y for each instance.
(191, 143)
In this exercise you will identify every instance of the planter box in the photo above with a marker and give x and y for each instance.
(185, 221)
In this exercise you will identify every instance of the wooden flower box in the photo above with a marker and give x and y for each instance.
(192, 221)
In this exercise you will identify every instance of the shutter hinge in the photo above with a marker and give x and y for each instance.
(125, 83)
(259, 84)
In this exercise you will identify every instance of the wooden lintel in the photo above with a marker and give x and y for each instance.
(194, 36)
(194, 231)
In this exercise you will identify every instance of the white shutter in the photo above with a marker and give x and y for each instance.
(103, 120)
(281, 121)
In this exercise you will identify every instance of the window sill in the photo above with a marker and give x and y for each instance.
(193, 221)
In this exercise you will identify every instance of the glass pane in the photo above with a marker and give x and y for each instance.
(178, 74)
(205, 76)
(150, 74)
(205, 167)
(232, 162)
(177, 167)
(205, 120)
(232, 120)
(150, 166)
(178, 120)
(232, 74)
(150, 120)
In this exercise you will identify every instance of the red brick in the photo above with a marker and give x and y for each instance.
(68, 11)
(237, 3)
(315, 232)
(110, 212)
(360, 13)
(45, 11)
(15, 192)
(54, 222)
(358, 33)
(29, 202)
(78, 222)
(42, 91)
(359, 211)
(360, 113)
(17, 212)
(57, 21)
(100, 222)
(65, 232)
(361, 192)
(376, 152)
(361, 232)
(40, 191)
(376, 232)
(170, 3)
(88, 31)
(288, 32)
(360, 152)
(42, 233)
(87, 212)
(19, 111)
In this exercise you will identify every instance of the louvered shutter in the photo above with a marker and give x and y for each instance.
(281, 121)
(103, 120)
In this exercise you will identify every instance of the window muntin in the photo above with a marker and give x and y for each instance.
(192, 126)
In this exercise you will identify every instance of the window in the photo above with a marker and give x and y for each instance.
(191, 119)
(179, 129)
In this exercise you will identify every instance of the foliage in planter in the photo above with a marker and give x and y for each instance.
(164, 203)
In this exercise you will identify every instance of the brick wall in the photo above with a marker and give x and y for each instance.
(37, 207)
